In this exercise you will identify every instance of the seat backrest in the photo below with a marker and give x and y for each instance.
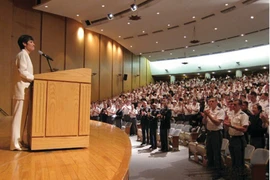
(187, 128)
(176, 132)
(173, 125)
(179, 126)
(225, 143)
(249, 150)
(260, 156)
(171, 131)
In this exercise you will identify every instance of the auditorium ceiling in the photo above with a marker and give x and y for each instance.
(172, 29)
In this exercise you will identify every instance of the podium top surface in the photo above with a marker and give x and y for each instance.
(82, 75)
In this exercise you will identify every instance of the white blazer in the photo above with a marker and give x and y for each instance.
(23, 74)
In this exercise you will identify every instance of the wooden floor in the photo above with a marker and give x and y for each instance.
(107, 157)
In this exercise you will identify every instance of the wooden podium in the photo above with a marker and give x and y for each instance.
(61, 110)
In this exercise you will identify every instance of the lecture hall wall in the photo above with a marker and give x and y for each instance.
(71, 47)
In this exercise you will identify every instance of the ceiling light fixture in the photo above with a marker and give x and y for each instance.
(77, 15)
(157, 13)
(128, 23)
(242, 34)
(251, 17)
(215, 29)
(110, 16)
(194, 41)
(103, 5)
(46, 6)
(133, 7)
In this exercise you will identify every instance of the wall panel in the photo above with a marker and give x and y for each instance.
(127, 64)
(117, 78)
(53, 41)
(149, 78)
(92, 61)
(74, 45)
(143, 71)
(135, 72)
(27, 22)
(105, 68)
(7, 58)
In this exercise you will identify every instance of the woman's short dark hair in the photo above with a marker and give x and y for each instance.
(24, 39)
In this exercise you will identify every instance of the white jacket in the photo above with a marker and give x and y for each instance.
(23, 74)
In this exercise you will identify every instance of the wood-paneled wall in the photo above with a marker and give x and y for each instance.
(71, 46)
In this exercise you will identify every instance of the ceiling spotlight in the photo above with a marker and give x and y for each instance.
(133, 7)
(251, 17)
(242, 34)
(110, 16)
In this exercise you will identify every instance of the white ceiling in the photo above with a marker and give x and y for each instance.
(227, 37)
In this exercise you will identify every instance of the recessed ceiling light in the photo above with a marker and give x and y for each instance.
(169, 25)
(212, 41)
(246, 69)
(77, 15)
(251, 17)
(186, 46)
(46, 6)
(140, 53)
(229, 71)
(149, 56)
(162, 50)
(193, 17)
(215, 29)
(170, 53)
(101, 29)
(193, 50)
(143, 31)
(157, 13)
(119, 36)
(246, 40)
(131, 46)
(226, 4)
(156, 42)
(128, 23)
(242, 34)
(103, 5)
(185, 36)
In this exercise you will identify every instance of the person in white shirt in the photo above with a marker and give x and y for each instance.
(23, 76)
(238, 125)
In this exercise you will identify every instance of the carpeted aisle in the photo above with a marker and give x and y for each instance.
(155, 165)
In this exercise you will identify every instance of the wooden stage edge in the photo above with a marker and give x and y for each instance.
(107, 157)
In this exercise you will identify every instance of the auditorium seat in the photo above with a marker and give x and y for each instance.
(258, 163)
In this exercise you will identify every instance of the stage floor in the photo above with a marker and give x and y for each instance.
(107, 157)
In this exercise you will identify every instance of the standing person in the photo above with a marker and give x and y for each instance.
(165, 125)
(23, 76)
(144, 123)
(255, 128)
(118, 116)
(153, 124)
(237, 142)
(133, 117)
(213, 118)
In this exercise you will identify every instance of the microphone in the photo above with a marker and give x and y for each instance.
(45, 55)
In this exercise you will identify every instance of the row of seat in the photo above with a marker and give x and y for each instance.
(255, 159)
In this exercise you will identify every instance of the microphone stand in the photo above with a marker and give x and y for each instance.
(49, 64)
